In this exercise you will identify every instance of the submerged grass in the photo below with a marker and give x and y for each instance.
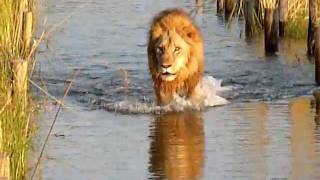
(15, 108)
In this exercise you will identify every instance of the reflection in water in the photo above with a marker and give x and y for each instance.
(316, 105)
(250, 148)
(177, 146)
(258, 138)
(305, 154)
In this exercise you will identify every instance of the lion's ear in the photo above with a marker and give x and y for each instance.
(191, 34)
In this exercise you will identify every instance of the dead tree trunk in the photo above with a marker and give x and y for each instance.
(220, 6)
(317, 55)
(228, 8)
(4, 166)
(312, 25)
(20, 81)
(249, 15)
(283, 8)
(271, 27)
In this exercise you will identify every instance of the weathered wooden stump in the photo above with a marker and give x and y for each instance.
(283, 8)
(199, 5)
(271, 28)
(249, 15)
(228, 8)
(20, 80)
(317, 55)
(220, 6)
(312, 25)
(27, 28)
(4, 167)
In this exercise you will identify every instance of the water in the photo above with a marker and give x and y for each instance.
(268, 131)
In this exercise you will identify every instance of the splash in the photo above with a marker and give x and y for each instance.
(209, 88)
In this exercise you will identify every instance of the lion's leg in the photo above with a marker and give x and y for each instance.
(164, 98)
(196, 96)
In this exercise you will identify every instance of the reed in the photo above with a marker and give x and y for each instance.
(297, 18)
(297, 9)
(269, 4)
(16, 58)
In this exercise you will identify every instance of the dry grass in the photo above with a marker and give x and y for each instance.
(14, 114)
(297, 8)
(269, 4)
(297, 18)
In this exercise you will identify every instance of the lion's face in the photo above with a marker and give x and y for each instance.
(171, 55)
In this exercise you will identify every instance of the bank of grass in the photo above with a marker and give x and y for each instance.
(15, 108)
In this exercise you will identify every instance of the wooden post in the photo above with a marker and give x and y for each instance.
(271, 27)
(20, 80)
(317, 55)
(258, 9)
(199, 5)
(220, 6)
(228, 8)
(249, 15)
(312, 25)
(4, 166)
(283, 8)
(27, 29)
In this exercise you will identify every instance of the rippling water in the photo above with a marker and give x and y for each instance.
(270, 129)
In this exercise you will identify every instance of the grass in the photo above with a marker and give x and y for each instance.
(269, 4)
(15, 108)
(297, 19)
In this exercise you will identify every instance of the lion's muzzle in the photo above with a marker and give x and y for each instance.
(166, 74)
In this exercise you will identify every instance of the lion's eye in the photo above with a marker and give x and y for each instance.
(177, 49)
(159, 50)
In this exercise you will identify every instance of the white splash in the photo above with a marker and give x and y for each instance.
(209, 89)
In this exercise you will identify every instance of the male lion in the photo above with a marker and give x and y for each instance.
(175, 56)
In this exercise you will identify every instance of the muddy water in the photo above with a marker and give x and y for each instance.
(269, 131)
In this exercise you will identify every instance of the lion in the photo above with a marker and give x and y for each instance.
(175, 56)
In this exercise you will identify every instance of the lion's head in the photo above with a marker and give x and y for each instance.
(175, 53)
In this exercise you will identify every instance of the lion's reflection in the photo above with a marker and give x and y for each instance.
(177, 146)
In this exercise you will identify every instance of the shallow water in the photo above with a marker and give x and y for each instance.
(269, 130)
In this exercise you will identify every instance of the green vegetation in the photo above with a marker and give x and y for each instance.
(16, 61)
(297, 19)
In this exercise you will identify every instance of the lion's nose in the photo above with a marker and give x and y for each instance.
(165, 65)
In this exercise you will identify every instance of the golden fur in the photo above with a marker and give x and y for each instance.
(175, 42)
